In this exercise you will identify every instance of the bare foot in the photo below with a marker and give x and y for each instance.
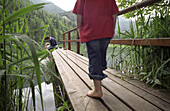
(94, 94)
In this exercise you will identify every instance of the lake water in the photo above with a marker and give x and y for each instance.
(48, 98)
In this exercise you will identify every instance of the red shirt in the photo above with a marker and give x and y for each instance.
(97, 18)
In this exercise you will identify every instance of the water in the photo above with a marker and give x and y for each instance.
(48, 97)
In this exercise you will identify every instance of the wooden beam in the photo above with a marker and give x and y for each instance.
(69, 43)
(78, 44)
(64, 45)
(74, 29)
(138, 6)
(142, 42)
(77, 40)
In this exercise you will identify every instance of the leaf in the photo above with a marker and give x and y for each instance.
(23, 11)
(162, 66)
(45, 26)
(1, 61)
(2, 37)
(157, 81)
(28, 58)
(28, 41)
(1, 74)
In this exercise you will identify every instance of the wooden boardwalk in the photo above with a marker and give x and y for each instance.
(119, 95)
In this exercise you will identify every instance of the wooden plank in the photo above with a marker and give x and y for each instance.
(165, 42)
(75, 88)
(124, 94)
(141, 93)
(142, 42)
(81, 58)
(165, 96)
(130, 98)
(110, 100)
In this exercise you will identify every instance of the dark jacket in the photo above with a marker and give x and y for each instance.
(53, 42)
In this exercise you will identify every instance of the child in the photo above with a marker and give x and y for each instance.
(52, 41)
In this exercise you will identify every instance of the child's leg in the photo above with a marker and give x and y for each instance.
(104, 45)
(97, 91)
(94, 55)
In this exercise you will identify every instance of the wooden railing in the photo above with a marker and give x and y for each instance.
(141, 42)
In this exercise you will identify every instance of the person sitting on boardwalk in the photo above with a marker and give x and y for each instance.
(96, 21)
(52, 41)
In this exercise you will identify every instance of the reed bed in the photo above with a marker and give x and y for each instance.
(20, 58)
(150, 64)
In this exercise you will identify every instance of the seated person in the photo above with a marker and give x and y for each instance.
(52, 41)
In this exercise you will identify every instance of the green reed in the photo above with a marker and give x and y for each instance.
(146, 63)
(19, 57)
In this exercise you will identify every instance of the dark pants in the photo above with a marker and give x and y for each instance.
(96, 50)
(52, 47)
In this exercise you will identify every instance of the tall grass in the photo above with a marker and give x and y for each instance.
(150, 64)
(19, 56)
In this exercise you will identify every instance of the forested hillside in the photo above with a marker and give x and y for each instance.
(69, 15)
(50, 7)
(56, 24)
(57, 20)
(40, 21)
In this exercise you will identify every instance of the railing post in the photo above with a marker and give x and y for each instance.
(64, 45)
(78, 44)
(69, 43)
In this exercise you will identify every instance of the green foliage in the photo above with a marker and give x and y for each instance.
(19, 55)
(156, 8)
(148, 64)
(23, 26)
(54, 23)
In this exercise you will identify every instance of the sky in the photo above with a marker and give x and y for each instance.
(66, 5)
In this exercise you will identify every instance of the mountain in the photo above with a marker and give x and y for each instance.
(51, 8)
(69, 15)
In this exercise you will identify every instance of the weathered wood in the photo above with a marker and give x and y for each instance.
(75, 88)
(125, 95)
(118, 94)
(138, 6)
(77, 40)
(110, 100)
(141, 93)
(128, 97)
(158, 99)
(165, 96)
(165, 42)
(74, 29)
(142, 42)
(69, 43)
(64, 39)
(78, 44)
(162, 100)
